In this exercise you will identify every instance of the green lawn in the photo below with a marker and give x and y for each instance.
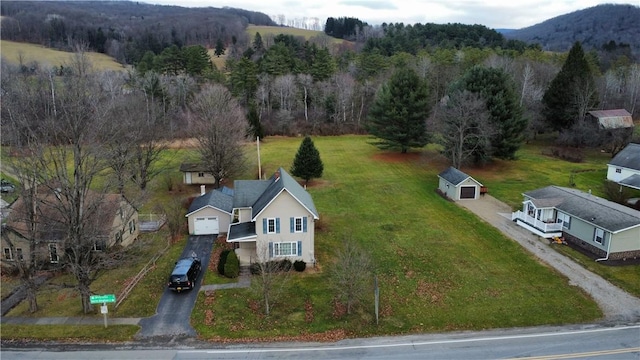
(439, 267)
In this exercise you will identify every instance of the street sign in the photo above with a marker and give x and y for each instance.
(98, 299)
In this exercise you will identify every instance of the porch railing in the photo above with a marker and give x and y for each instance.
(540, 225)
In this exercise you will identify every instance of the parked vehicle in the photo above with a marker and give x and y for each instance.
(6, 187)
(184, 274)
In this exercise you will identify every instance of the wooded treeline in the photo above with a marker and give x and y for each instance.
(122, 29)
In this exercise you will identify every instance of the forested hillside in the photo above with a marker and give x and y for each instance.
(122, 29)
(594, 27)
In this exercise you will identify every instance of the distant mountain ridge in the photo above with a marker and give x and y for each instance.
(593, 27)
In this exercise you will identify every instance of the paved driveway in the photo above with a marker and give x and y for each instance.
(174, 310)
(616, 304)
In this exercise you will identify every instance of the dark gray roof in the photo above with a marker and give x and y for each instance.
(628, 158)
(257, 194)
(455, 176)
(215, 198)
(240, 231)
(595, 210)
(192, 167)
(247, 192)
(632, 181)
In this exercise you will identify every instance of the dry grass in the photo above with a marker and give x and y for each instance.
(12, 51)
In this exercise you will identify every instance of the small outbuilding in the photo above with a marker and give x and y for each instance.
(457, 185)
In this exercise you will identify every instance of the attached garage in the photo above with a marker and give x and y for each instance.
(206, 226)
(210, 213)
(457, 185)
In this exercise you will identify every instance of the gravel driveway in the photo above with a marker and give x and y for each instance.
(617, 305)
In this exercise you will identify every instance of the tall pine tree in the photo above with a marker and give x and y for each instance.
(307, 163)
(398, 117)
(505, 113)
(571, 93)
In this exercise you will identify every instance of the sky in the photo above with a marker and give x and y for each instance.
(496, 14)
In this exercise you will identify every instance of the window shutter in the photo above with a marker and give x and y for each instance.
(277, 225)
(270, 249)
(292, 225)
(264, 226)
(304, 224)
(299, 248)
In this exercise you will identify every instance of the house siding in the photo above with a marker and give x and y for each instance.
(626, 241)
(193, 178)
(585, 231)
(284, 207)
(224, 219)
(623, 174)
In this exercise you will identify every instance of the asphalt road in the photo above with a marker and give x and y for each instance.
(174, 310)
(569, 342)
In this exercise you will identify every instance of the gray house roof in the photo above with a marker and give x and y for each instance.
(192, 167)
(455, 176)
(628, 158)
(592, 209)
(632, 181)
(218, 199)
(242, 231)
(258, 194)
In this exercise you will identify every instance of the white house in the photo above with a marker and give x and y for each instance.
(624, 168)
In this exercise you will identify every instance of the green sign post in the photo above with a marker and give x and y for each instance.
(97, 299)
(103, 299)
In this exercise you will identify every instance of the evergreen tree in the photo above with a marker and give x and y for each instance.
(399, 113)
(505, 113)
(219, 50)
(196, 59)
(323, 65)
(571, 93)
(307, 163)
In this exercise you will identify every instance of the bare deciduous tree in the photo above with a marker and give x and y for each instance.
(465, 128)
(271, 280)
(219, 125)
(352, 274)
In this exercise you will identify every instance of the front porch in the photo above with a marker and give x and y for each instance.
(544, 229)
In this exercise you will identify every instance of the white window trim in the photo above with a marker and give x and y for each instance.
(51, 259)
(595, 236)
(10, 257)
(271, 221)
(295, 225)
(277, 250)
(565, 219)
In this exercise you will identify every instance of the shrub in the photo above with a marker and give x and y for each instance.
(285, 265)
(299, 265)
(223, 259)
(232, 266)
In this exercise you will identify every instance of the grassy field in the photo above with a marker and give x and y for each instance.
(438, 266)
(277, 30)
(49, 57)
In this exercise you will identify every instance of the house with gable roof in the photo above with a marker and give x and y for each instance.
(268, 219)
(624, 168)
(210, 212)
(604, 228)
(457, 185)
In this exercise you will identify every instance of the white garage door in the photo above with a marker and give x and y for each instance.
(205, 226)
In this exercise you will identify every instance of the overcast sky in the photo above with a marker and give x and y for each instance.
(514, 14)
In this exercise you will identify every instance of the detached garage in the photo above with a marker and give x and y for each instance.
(210, 212)
(457, 185)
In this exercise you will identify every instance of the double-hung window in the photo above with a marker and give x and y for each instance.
(598, 236)
(271, 226)
(19, 255)
(7, 254)
(53, 253)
